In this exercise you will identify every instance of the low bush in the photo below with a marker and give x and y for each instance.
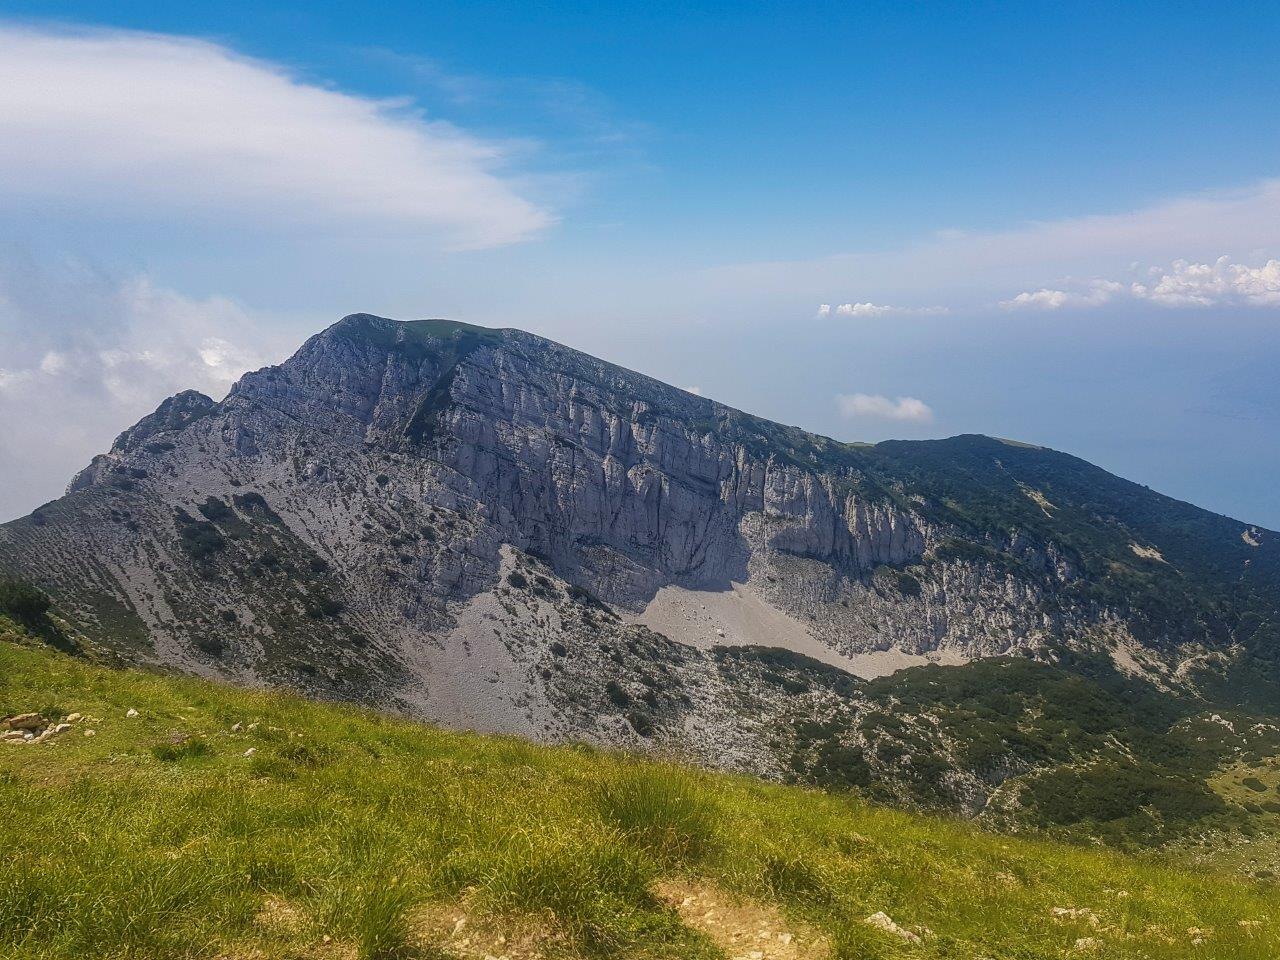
(23, 601)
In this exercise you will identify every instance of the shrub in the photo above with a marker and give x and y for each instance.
(908, 585)
(215, 510)
(210, 646)
(23, 601)
(617, 696)
(640, 723)
(1114, 791)
(201, 540)
(323, 606)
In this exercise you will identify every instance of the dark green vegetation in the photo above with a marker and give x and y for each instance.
(1207, 580)
(1073, 747)
(22, 602)
(1033, 513)
(224, 824)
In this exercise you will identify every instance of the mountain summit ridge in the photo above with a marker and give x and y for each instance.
(490, 529)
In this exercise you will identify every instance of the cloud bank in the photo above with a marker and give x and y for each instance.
(123, 123)
(84, 354)
(853, 405)
(868, 309)
(1185, 284)
(973, 270)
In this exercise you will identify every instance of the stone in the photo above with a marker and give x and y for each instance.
(882, 921)
(131, 713)
(26, 721)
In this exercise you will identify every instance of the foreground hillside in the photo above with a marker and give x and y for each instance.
(178, 818)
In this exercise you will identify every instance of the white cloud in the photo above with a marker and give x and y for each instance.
(53, 363)
(875, 405)
(868, 309)
(1212, 284)
(1183, 284)
(128, 123)
(86, 355)
(1042, 299)
(971, 270)
(12, 379)
(862, 310)
(696, 391)
(1092, 294)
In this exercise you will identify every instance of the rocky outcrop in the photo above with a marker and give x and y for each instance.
(172, 416)
(327, 525)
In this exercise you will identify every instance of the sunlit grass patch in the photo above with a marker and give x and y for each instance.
(308, 830)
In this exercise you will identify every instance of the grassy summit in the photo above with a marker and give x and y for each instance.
(223, 823)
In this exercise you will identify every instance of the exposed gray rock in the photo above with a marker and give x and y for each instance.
(331, 524)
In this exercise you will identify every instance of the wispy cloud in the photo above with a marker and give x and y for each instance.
(84, 354)
(854, 405)
(868, 309)
(130, 123)
(972, 270)
(1184, 284)
(1092, 294)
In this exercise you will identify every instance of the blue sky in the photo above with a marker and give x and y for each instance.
(1047, 221)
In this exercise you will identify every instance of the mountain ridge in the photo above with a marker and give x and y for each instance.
(489, 529)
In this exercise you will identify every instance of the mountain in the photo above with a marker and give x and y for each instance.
(491, 530)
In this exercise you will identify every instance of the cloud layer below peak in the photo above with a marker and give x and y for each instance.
(128, 123)
(1184, 284)
(868, 309)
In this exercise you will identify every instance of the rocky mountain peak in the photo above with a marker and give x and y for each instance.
(402, 508)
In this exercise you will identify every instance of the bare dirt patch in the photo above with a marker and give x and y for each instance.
(744, 929)
(466, 934)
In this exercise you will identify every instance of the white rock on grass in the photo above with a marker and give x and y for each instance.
(131, 713)
(882, 921)
(26, 721)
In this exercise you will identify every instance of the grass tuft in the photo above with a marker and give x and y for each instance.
(665, 811)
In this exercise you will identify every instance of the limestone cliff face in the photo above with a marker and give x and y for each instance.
(327, 524)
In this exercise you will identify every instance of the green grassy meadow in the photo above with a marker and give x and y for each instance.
(222, 823)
